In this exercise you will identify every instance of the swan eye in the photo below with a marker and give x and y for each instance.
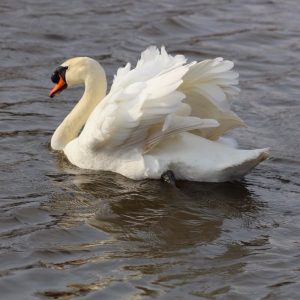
(55, 77)
(60, 71)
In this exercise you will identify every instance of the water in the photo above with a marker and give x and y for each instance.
(72, 234)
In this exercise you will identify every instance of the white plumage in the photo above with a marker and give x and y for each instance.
(163, 114)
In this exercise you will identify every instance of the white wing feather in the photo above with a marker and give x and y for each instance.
(209, 86)
(160, 97)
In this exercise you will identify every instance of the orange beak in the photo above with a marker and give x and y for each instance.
(61, 85)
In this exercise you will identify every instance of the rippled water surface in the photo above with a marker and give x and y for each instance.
(71, 234)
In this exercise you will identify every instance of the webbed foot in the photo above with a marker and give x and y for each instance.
(168, 177)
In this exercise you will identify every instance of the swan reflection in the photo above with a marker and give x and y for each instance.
(149, 212)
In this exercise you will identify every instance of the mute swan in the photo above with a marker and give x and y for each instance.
(162, 115)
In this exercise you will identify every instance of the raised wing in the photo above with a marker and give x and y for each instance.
(209, 87)
(142, 106)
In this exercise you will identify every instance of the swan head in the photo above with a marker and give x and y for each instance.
(73, 72)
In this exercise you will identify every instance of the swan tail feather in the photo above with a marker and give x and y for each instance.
(239, 170)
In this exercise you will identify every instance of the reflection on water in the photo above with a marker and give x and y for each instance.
(67, 233)
(151, 212)
(149, 220)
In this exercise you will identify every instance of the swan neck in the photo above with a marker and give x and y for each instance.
(95, 90)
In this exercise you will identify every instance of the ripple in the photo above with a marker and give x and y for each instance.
(68, 233)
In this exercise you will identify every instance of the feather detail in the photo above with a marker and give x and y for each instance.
(161, 97)
(174, 125)
(209, 86)
(139, 99)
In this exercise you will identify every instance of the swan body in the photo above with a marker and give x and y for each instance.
(162, 115)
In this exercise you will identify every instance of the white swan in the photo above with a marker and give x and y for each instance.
(162, 115)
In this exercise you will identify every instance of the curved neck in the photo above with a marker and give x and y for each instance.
(95, 90)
